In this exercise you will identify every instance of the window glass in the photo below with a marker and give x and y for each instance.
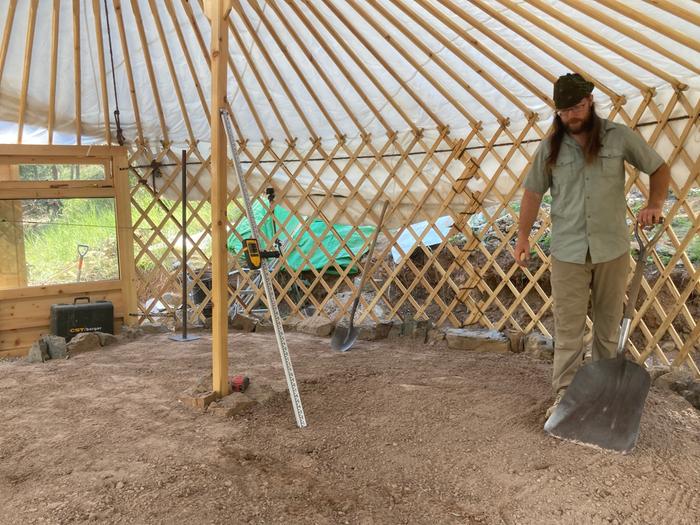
(51, 172)
(56, 241)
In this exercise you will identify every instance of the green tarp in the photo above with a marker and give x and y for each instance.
(307, 244)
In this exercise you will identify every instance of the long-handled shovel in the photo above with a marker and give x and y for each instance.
(603, 404)
(343, 338)
(82, 252)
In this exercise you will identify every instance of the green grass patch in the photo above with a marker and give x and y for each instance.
(637, 206)
(681, 225)
(694, 250)
(51, 243)
(545, 242)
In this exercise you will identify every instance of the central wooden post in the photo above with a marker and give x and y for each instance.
(218, 11)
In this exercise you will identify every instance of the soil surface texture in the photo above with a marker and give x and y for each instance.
(397, 433)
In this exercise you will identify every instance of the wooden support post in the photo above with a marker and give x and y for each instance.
(125, 236)
(217, 10)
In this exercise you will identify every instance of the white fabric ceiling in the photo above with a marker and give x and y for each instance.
(335, 67)
(327, 27)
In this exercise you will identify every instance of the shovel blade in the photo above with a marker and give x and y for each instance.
(603, 405)
(343, 338)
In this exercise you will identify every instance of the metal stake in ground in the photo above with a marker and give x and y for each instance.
(183, 231)
(266, 280)
(343, 338)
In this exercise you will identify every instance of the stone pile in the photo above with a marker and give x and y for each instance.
(55, 347)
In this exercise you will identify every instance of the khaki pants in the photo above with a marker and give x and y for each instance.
(572, 285)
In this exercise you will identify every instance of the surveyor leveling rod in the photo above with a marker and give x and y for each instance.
(266, 280)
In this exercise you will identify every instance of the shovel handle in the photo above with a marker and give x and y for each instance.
(365, 272)
(636, 282)
(639, 266)
(649, 244)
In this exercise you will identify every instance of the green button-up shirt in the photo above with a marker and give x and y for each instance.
(588, 200)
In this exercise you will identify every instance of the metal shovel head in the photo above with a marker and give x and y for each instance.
(603, 405)
(343, 338)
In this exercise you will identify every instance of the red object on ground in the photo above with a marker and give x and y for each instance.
(239, 383)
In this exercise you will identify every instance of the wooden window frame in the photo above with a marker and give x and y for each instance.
(115, 185)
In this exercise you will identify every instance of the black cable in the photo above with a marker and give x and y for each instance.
(393, 155)
(120, 132)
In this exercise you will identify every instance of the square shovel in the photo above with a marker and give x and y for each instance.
(343, 338)
(603, 404)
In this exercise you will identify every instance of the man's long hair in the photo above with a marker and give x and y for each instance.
(590, 149)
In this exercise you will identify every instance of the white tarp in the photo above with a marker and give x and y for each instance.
(408, 239)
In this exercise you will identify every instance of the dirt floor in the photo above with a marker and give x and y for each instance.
(398, 433)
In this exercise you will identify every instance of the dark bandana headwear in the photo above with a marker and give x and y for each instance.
(570, 89)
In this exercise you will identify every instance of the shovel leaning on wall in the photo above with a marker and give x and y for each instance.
(82, 251)
(343, 338)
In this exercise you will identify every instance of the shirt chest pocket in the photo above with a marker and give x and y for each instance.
(612, 163)
(563, 173)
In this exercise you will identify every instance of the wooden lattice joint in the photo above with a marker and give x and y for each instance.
(467, 277)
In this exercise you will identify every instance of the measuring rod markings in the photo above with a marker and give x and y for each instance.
(267, 281)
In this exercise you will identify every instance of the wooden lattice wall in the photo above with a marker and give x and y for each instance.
(470, 277)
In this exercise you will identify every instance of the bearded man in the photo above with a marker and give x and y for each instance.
(582, 164)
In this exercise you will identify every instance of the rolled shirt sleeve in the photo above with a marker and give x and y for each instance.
(638, 153)
(539, 179)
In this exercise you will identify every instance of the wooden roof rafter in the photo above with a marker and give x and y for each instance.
(129, 71)
(653, 24)
(188, 58)
(204, 48)
(493, 57)
(7, 31)
(379, 58)
(390, 70)
(149, 68)
(588, 9)
(96, 12)
(76, 74)
(319, 71)
(55, 15)
(538, 43)
(675, 9)
(237, 8)
(492, 35)
(593, 35)
(494, 31)
(339, 63)
(584, 50)
(444, 66)
(29, 47)
(297, 70)
(171, 68)
(258, 77)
